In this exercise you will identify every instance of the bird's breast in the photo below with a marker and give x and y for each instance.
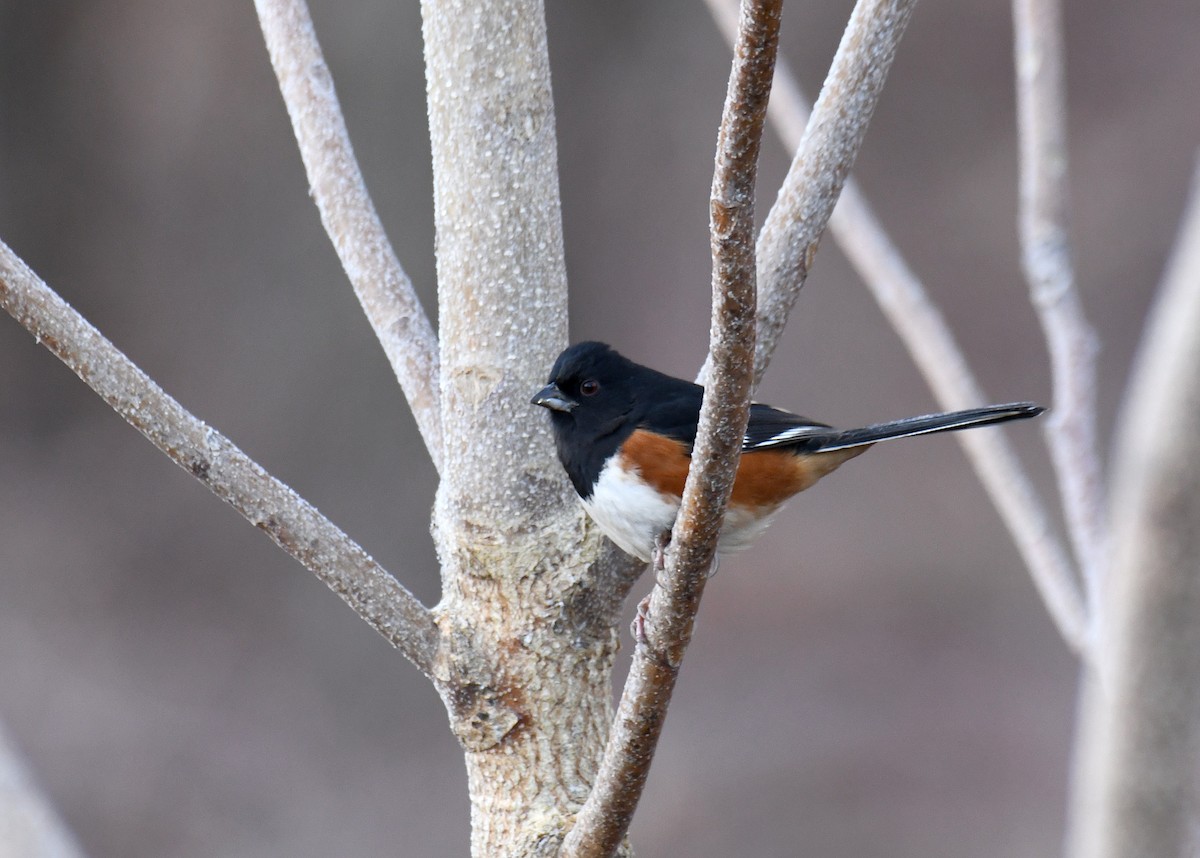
(630, 510)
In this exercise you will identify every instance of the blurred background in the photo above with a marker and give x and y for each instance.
(876, 678)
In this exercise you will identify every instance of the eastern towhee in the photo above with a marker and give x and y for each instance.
(625, 434)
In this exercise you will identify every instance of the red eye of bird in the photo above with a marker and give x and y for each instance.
(590, 387)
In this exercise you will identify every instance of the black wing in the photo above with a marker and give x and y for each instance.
(771, 427)
(676, 411)
(670, 406)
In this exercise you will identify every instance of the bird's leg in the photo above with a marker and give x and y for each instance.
(658, 557)
(638, 627)
(658, 562)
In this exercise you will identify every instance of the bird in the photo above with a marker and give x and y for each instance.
(624, 435)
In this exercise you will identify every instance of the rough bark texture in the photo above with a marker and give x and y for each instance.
(528, 637)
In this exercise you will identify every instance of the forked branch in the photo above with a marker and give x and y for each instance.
(921, 327)
(1045, 249)
(294, 524)
(1136, 789)
(348, 215)
(793, 228)
(601, 825)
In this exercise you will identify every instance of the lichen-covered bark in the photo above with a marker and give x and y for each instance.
(528, 685)
(528, 641)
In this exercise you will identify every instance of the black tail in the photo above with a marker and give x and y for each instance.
(931, 423)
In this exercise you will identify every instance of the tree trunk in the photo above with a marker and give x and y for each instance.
(528, 640)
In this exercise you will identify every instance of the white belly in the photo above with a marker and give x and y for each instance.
(741, 528)
(633, 514)
(630, 513)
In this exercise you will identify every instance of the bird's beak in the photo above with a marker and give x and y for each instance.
(551, 397)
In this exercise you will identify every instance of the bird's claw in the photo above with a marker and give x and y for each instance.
(638, 627)
(658, 559)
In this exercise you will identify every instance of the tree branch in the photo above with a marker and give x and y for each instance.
(291, 522)
(29, 825)
(835, 131)
(527, 664)
(931, 343)
(602, 823)
(500, 261)
(1070, 429)
(348, 215)
(1136, 790)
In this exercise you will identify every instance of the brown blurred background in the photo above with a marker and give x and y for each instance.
(876, 678)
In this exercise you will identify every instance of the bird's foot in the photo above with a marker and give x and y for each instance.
(658, 558)
(638, 627)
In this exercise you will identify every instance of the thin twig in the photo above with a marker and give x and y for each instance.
(930, 341)
(601, 824)
(1135, 792)
(823, 158)
(1045, 250)
(923, 330)
(793, 228)
(294, 524)
(348, 215)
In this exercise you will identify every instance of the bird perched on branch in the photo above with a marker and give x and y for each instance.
(625, 433)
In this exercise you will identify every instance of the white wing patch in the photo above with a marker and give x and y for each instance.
(783, 437)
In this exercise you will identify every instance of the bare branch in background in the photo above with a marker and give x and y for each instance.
(1071, 426)
(929, 339)
(349, 216)
(294, 524)
(601, 825)
(29, 825)
(835, 131)
(1135, 792)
